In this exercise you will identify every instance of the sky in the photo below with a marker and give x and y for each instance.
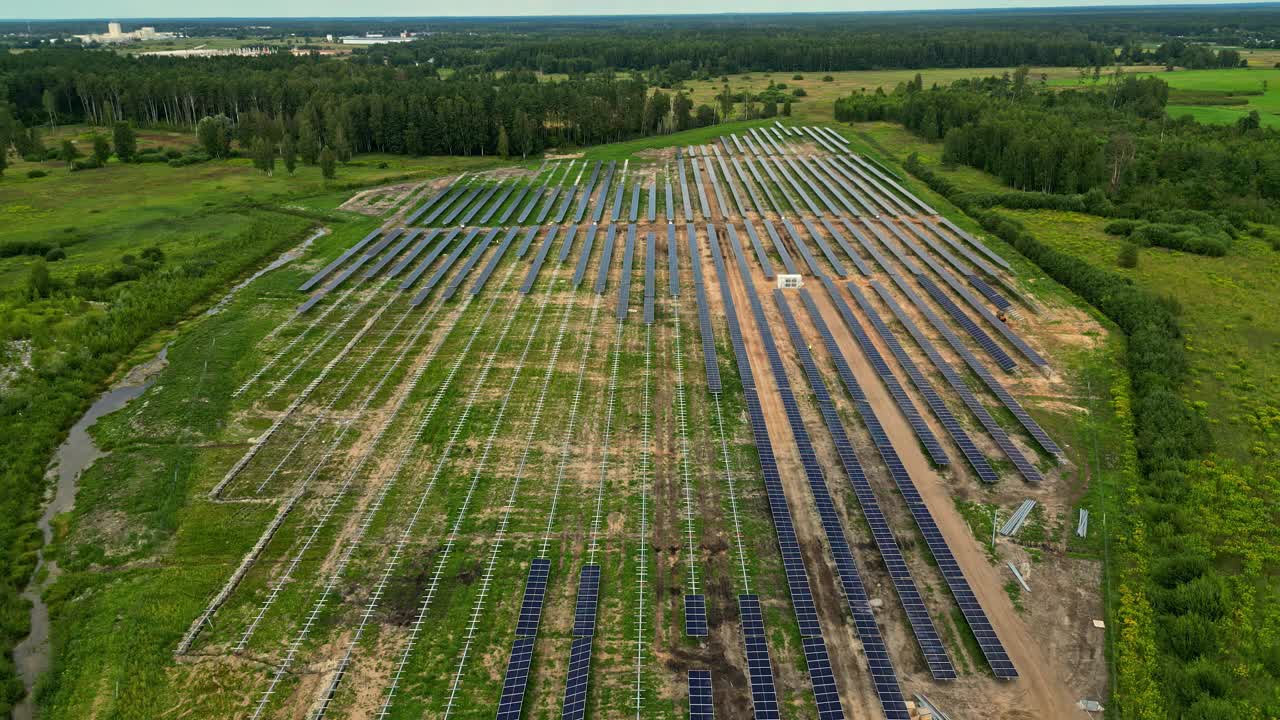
(124, 9)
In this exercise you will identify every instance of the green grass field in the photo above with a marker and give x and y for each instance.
(1193, 93)
(1234, 342)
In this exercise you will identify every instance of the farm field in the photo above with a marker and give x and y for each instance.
(1219, 96)
(580, 366)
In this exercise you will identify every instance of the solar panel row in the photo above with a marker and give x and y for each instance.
(792, 561)
(926, 634)
(393, 253)
(541, 257)
(803, 248)
(825, 248)
(994, 429)
(597, 212)
(606, 258)
(471, 261)
(762, 255)
(650, 267)
(458, 189)
(588, 238)
(346, 254)
(493, 261)
(695, 615)
(684, 191)
(764, 693)
(422, 267)
(887, 689)
(885, 373)
(587, 190)
(781, 247)
(930, 239)
(624, 289)
(700, 705)
(673, 262)
(413, 216)
(567, 245)
(497, 204)
(439, 274)
(705, 328)
(935, 402)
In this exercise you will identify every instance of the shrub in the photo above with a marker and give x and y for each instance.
(34, 157)
(55, 255)
(797, 76)
(799, 92)
(173, 154)
(150, 157)
(89, 163)
(828, 78)
(37, 173)
(1128, 257)
(1121, 227)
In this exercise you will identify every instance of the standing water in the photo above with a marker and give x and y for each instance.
(76, 453)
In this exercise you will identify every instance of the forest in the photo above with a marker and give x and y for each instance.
(1174, 183)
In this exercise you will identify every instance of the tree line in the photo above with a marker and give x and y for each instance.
(1116, 139)
(350, 108)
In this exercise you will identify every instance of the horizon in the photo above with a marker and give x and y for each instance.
(703, 8)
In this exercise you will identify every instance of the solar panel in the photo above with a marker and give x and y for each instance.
(458, 190)
(617, 198)
(324, 272)
(751, 190)
(695, 615)
(762, 255)
(764, 693)
(472, 259)
(652, 209)
(773, 201)
(635, 202)
(565, 204)
(790, 164)
(548, 204)
(532, 276)
(588, 237)
(883, 371)
(684, 192)
(834, 172)
(584, 615)
(606, 258)
(844, 245)
(825, 248)
(671, 205)
(940, 410)
(710, 361)
(725, 210)
(497, 204)
(977, 282)
(493, 261)
(535, 591)
(824, 680)
(527, 240)
(568, 243)
(461, 205)
(479, 204)
(733, 188)
(700, 705)
(575, 690)
(417, 272)
(413, 253)
(781, 247)
(534, 197)
(516, 680)
(587, 190)
(515, 203)
(801, 247)
(597, 212)
(850, 579)
(926, 634)
(393, 253)
(413, 217)
(995, 257)
(825, 179)
(650, 263)
(673, 262)
(767, 164)
(628, 255)
(993, 428)
(439, 274)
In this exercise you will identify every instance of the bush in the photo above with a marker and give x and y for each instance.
(1128, 257)
(89, 163)
(37, 173)
(799, 92)
(150, 157)
(797, 76)
(185, 160)
(828, 78)
(1124, 228)
(173, 154)
(55, 255)
(33, 157)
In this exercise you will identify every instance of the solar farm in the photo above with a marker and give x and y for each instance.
(569, 442)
